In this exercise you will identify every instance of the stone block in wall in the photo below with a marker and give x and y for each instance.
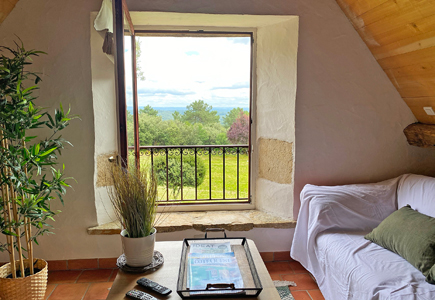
(103, 168)
(276, 160)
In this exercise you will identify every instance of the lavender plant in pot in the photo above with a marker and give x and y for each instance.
(30, 146)
(134, 199)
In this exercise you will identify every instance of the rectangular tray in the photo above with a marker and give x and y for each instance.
(251, 281)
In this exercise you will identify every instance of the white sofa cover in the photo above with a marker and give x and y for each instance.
(329, 239)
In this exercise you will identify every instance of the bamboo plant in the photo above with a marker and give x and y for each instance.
(29, 179)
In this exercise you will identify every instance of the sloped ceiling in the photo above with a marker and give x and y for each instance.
(401, 36)
(6, 6)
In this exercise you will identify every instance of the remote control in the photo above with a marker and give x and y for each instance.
(140, 295)
(154, 286)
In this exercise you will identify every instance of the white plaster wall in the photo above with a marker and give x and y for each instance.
(277, 47)
(349, 118)
(104, 107)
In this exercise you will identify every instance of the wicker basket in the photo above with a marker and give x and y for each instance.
(29, 288)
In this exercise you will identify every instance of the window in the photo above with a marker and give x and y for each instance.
(188, 98)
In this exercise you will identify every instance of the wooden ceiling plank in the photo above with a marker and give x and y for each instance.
(410, 44)
(416, 105)
(416, 70)
(406, 16)
(414, 87)
(400, 33)
(389, 9)
(363, 6)
(408, 59)
(5, 8)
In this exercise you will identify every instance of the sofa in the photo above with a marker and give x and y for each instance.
(329, 239)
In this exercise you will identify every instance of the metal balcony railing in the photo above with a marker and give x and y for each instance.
(224, 170)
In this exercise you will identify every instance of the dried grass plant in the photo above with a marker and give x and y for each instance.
(134, 199)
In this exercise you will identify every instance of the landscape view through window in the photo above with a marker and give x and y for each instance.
(193, 91)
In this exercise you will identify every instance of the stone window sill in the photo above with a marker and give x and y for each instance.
(243, 220)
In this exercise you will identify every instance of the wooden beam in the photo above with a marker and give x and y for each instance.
(420, 135)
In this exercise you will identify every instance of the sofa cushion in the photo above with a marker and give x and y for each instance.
(417, 191)
(411, 235)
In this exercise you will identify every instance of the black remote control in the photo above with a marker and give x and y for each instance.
(154, 286)
(140, 295)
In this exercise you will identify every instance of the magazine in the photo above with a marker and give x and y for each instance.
(210, 247)
(212, 263)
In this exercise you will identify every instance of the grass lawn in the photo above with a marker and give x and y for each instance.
(217, 179)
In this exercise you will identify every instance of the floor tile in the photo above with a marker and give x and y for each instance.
(316, 295)
(98, 291)
(283, 255)
(266, 256)
(50, 288)
(275, 277)
(301, 295)
(63, 276)
(279, 268)
(297, 267)
(303, 281)
(112, 277)
(98, 275)
(107, 263)
(57, 265)
(70, 291)
(82, 264)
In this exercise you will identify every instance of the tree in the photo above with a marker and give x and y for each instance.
(239, 131)
(176, 116)
(232, 115)
(149, 111)
(174, 171)
(200, 112)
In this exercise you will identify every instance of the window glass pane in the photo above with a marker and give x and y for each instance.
(192, 89)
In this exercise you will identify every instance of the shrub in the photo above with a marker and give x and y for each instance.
(239, 131)
(174, 171)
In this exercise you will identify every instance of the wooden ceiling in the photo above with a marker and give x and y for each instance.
(6, 6)
(401, 36)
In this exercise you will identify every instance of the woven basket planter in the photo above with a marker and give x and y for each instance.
(28, 288)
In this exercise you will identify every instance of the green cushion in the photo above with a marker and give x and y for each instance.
(411, 235)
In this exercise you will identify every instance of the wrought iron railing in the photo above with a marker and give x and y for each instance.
(211, 156)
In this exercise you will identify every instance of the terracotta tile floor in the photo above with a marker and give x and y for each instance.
(95, 284)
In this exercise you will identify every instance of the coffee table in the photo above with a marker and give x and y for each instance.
(167, 275)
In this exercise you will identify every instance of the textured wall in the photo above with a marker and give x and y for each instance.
(349, 117)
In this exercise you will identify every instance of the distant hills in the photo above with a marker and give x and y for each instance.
(166, 112)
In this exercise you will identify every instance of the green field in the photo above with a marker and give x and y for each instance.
(217, 179)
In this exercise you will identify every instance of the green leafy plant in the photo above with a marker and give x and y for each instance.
(174, 171)
(134, 199)
(29, 176)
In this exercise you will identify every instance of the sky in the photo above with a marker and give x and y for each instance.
(180, 70)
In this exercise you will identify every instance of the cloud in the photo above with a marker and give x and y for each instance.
(235, 86)
(190, 53)
(157, 91)
(239, 40)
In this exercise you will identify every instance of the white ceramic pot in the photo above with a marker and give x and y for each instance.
(138, 251)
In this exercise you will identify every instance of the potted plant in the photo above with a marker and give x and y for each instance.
(29, 180)
(134, 199)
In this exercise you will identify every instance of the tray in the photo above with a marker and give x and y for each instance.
(251, 281)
